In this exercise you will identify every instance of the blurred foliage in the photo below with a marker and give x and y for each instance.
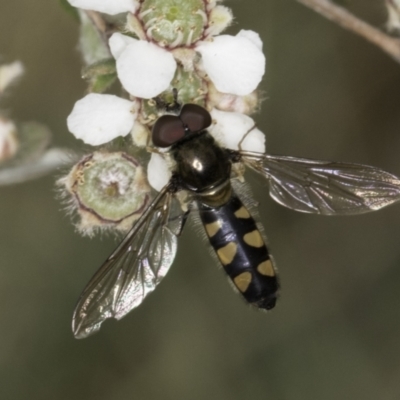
(69, 9)
(34, 138)
(333, 335)
(34, 158)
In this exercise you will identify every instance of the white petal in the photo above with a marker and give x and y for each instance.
(111, 7)
(254, 141)
(145, 70)
(118, 43)
(234, 63)
(252, 36)
(99, 118)
(158, 173)
(140, 134)
(230, 129)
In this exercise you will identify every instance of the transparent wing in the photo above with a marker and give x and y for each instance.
(324, 187)
(133, 270)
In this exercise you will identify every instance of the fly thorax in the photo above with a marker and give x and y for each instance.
(201, 164)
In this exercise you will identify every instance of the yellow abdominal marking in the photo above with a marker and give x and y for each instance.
(243, 281)
(227, 253)
(266, 268)
(213, 228)
(242, 213)
(254, 239)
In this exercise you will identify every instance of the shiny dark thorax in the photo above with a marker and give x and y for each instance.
(203, 168)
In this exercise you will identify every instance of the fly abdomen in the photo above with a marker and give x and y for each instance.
(241, 250)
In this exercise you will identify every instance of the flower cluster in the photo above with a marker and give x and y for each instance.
(166, 47)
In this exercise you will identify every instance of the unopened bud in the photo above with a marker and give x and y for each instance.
(173, 23)
(109, 191)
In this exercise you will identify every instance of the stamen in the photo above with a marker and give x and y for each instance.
(150, 30)
(211, 4)
(179, 38)
(198, 99)
(150, 119)
(144, 13)
(190, 37)
(212, 30)
(245, 135)
(151, 22)
(203, 15)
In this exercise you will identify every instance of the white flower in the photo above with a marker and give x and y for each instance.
(235, 64)
(100, 118)
(111, 7)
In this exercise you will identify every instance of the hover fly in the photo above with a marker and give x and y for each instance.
(204, 170)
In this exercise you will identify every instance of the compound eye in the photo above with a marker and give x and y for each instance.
(195, 117)
(167, 130)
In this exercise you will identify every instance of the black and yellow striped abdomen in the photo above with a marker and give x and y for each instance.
(241, 250)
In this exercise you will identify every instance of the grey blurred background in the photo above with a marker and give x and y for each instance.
(335, 333)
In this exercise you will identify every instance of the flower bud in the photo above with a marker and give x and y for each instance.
(109, 191)
(172, 23)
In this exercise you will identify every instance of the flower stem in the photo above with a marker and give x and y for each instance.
(350, 22)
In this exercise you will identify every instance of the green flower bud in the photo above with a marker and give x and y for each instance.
(109, 191)
(174, 23)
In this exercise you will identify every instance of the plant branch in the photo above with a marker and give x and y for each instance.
(345, 19)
